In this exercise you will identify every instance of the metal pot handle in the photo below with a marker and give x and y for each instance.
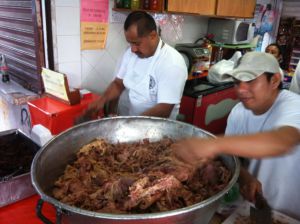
(45, 220)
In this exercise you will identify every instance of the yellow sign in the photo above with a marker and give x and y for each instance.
(93, 35)
(54, 84)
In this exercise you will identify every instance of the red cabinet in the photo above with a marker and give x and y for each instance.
(209, 108)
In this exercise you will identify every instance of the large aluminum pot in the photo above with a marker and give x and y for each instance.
(52, 159)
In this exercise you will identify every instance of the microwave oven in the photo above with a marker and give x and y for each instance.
(229, 31)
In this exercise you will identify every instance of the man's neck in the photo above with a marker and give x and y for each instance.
(269, 104)
(156, 44)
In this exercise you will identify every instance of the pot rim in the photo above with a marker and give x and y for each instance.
(156, 215)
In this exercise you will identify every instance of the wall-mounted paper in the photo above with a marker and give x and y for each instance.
(93, 35)
(94, 23)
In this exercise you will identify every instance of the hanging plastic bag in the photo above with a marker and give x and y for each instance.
(216, 74)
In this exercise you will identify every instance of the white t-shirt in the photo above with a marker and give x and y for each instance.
(295, 84)
(157, 79)
(280, 176)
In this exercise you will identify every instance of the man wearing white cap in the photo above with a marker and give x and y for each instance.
(265, 124)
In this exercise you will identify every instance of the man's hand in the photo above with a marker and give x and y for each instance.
(193, 150)
(90, 113)
(249, 185)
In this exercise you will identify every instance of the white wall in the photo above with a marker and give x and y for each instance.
(94, 69)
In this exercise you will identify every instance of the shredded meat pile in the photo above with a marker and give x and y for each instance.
(139, 177)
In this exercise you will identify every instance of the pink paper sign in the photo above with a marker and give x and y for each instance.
(94, 11)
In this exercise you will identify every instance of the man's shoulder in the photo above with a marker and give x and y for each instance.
(289, 97)
(169, 52)
(171, 57)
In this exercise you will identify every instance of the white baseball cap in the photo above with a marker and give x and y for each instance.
(253, 64)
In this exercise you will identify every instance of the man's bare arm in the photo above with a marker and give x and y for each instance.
(259, 145)
(159, 110)
(113, 91)
(270, 143)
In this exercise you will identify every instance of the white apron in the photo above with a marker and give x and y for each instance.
(141, 91)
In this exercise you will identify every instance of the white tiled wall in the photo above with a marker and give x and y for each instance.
(94, 69)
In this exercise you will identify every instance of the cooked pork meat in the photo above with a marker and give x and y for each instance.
(139, 177)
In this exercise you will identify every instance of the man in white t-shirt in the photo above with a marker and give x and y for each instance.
(151, 73)
(265, 124)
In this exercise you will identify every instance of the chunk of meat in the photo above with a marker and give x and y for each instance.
(144, 193)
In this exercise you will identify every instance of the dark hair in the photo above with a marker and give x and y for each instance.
(281, 53)
(269, 75)
(145, 22)
(277, 46)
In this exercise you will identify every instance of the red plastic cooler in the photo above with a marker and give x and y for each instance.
(58, 116)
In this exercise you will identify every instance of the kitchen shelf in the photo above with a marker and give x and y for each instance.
(211, 8)
(130, 10)
(234, 46)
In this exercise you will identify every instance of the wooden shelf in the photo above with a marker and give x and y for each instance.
(130, 10)
(211, 8)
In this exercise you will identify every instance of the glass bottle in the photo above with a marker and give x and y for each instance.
(135, 4)
(155, 4)
(208, 49)
(219, 53)
(146, 4)
(126, 4)
(119, 3)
